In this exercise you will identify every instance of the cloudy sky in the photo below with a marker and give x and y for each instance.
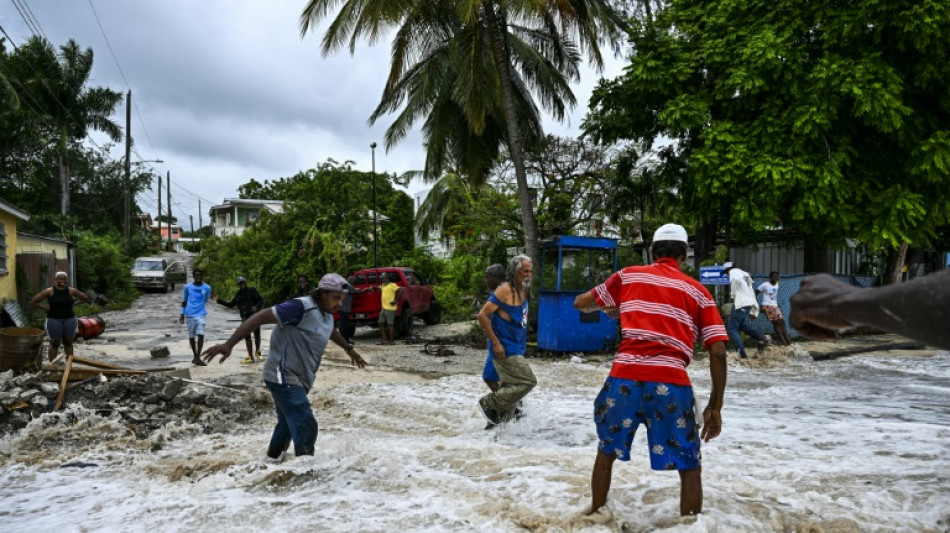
(228, 91)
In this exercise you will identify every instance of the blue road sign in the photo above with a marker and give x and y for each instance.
(713, 275)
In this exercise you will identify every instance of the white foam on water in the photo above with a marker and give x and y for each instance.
(856, 444)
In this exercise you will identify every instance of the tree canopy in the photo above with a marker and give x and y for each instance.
(326, 226)
(830, 119)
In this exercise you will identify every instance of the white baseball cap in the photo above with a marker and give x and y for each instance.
(670, 232)
(727, 265)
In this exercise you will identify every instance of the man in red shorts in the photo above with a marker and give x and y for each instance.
(662, 314)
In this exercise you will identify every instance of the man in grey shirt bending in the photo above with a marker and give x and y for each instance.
(304, 326)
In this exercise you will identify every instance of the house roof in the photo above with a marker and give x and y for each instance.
(274, 206)
(14, 210)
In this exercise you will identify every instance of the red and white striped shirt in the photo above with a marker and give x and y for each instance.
(662, 314)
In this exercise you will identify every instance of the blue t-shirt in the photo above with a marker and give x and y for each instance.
(513, 335)
(195, 297)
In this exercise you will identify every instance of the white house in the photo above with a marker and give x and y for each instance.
(236, 214)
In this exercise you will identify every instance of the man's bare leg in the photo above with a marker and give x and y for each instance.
(691, 491)
(196, 350)
(392, 335)
(600, 480)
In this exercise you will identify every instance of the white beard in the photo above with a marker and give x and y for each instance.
(526, 283)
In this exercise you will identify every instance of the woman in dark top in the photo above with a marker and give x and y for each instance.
(60, 319)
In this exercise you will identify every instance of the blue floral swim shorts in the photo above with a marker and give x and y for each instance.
(665, 409)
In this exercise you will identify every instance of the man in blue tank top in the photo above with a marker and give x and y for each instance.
(504, 318)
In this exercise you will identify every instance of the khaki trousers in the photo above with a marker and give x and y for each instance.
(516, 382)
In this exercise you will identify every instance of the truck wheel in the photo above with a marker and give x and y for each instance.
(404, 323)
(434, 315)
(165, 288)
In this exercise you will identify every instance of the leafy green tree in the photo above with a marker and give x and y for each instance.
(468, 67)
(55, 85)
(326, 226)
(826, 119)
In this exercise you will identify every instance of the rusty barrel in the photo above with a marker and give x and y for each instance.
(20, 347)
(90, 327)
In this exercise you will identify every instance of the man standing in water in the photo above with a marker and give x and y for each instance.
(304, 326)
(504, 319)
(769, 290)
(662, 314)
(193, 299)
(744, 308)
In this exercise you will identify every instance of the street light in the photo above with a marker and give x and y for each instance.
(375, 245)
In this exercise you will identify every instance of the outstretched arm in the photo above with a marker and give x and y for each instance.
(587, 303)
(916, 309)
(264, 316)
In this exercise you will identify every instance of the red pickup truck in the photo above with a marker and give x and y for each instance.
(416, 300)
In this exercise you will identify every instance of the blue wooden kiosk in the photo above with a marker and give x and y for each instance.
(570, 266)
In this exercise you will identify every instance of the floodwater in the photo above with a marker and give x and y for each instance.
(854, 444)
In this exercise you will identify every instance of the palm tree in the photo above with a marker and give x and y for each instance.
(477, 62)
(56, 85)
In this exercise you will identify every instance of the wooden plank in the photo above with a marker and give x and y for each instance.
(96, 371)
(909, 345)
(62, 385)
(98, 364)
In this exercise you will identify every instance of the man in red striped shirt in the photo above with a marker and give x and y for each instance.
(663, 312)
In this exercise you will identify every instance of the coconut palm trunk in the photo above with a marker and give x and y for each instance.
(496, 23)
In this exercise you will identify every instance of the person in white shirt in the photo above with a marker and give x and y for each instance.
(744, 305)
(773, 313)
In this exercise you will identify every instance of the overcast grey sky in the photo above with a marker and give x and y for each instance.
(226, 91)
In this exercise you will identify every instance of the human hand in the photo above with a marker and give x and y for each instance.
(815, 307)
(712, 424)
(613, 312)
(356, 358)
(223, 349)
(499, 351)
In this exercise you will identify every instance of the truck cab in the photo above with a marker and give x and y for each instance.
(417, 299)
(158, 273)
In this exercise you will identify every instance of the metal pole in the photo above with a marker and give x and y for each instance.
(128, 167)
(375, 236)
(168, 191)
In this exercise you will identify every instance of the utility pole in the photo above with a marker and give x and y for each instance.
(159, 216)
(168, 191)
(128, 166)
(372, 147)
(191, 218)
(199, 225)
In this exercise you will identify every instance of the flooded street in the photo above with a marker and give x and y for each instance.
(850, 445)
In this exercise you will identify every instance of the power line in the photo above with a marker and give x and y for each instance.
(8, 37)
(27, 15)
(138, 113)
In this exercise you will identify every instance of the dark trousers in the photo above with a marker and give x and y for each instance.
(295, 421)
(344, 325)
(739, 320)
